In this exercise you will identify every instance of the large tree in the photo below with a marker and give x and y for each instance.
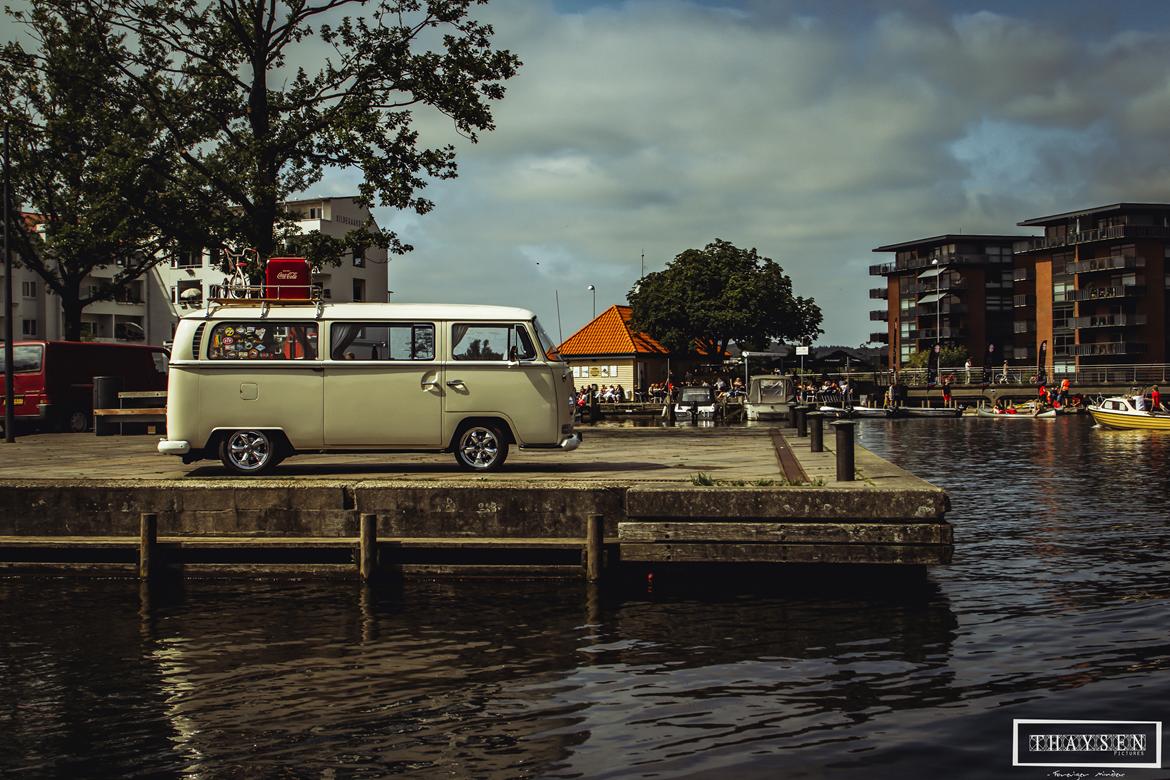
(262, 97)
(85, 160)
(719, 294)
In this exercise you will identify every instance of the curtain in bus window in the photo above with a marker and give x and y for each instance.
(343, 336)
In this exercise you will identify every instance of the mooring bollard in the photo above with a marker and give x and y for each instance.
(594, 547)
(802, 420)
(368, 542)
(668, 412)
(147, 540)
(845, 469)
(816, 431)
(792, 415)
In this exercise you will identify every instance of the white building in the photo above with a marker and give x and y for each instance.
(182, 284)
(147, 310)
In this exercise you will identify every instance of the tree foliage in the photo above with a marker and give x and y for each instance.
(84, 157)
(949, 357)
(719, 294)
(262, 97)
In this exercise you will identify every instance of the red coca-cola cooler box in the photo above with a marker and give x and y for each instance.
(287, 278)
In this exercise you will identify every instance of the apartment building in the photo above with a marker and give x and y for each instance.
(182, 284)
(146, 310)
(1093, 289)
(954, 290)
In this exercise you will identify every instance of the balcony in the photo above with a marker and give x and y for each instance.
(1115, 233)
(1108, 321)
(1102, 348)
(1104, 293)
(881, 337)
(946, 332)
(1111, 263)
(1023, 301)
(880, 315)
(1023, 326)
(1022, 275)
(882, 293)
(881, 269)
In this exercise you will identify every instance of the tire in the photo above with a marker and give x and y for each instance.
(74, 421)
(249, 452)
(481, 447)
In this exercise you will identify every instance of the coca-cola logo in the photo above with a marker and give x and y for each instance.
(284, 275)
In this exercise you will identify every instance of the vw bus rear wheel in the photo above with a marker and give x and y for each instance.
(481, 448)
(248, 452)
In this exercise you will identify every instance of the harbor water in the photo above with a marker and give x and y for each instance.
(1056, 606)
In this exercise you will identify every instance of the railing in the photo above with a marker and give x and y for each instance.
(1021, 301)
(879, 292)
(881, 269)
(1111, 263)
(1097, 348)
(1119, 374)
(879, 315)
(1114, 233)
(1112, 291)
(1021, 275)
(1108, 321)
(881, 337)
(947, 332)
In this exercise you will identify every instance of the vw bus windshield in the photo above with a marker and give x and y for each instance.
(546, 343)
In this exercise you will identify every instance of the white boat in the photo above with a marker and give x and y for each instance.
(1120, 412)
(695, 400)
(769, 397)
(1016, 414)
(868, 412)
(932, 411)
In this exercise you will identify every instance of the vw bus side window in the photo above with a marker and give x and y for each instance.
(263, 341)
(472, 341)
(382, 341)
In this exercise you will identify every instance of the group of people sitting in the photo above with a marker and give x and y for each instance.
(827, 393)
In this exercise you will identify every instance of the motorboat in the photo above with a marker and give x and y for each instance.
(1121, 412)
(865, 412)
(769, 397)
(1016, 413)
(932, 411)
(696, 401)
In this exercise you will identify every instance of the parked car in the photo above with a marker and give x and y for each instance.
(252, 385)
(53, 380)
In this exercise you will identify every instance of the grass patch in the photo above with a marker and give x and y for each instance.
(703, 479)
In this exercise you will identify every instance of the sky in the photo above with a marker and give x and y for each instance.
(812, 130)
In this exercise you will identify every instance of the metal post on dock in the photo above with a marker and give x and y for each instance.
(792, 414)
(802, 420)
(147, 541)
(594, 547)
(816, 431)
(845, 464)
(368, 547)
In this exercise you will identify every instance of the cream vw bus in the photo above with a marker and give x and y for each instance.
(253, 385)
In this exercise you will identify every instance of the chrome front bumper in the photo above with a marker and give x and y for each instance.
(167, 447)
(570, 442)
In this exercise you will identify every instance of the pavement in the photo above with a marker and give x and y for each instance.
(608, 456)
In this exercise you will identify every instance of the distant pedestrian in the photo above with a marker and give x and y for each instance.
(1155, 400)
(946, 390)
(967, 368)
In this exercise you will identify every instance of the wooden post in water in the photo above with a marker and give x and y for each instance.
(368, 547)
(147, 541)
(594, 547)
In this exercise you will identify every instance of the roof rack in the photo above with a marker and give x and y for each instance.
(252, 297)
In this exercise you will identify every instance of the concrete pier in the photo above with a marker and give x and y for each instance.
(652, 497)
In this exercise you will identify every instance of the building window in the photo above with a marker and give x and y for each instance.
(359, 258)
(28, 289)
(188, 257)
(359, 289)
(314, 213)
(28, 327)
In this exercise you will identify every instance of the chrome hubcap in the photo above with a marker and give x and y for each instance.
(248, 450)
(479, 447)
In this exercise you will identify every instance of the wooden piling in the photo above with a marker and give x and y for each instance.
(147, 541)
(368, 547)
(594, 547)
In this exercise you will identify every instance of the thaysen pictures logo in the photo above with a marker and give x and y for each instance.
(1087, 743)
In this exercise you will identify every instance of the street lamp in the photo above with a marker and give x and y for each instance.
(593, 290)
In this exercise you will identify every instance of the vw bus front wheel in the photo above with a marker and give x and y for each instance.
(248, 452)
(481, 448)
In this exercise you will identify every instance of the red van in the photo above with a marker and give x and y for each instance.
(54, 379)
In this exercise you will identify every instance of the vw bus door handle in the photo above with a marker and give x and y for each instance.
(429, 385)
(455, 383)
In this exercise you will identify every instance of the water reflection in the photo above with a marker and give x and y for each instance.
(1054, 607)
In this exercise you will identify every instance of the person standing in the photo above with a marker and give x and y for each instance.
(946, 390)
(967, 368)
(1155, 400)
